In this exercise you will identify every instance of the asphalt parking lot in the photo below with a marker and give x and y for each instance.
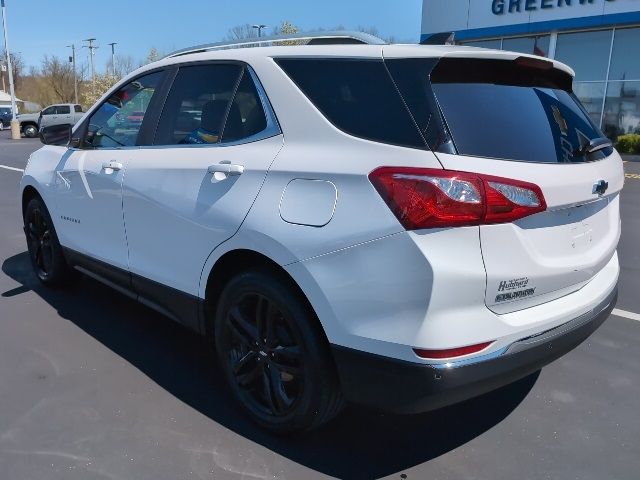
(95, 386)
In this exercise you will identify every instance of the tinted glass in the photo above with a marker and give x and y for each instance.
(357, 96)
(117, 122)
(49, 111)
(590, 95)
(532, 45)
(412, 79)
(512, 112)
(77, 108)
(246, 115)
(63, 109)
(625, 58)
(586, 52)
(197, 105)
(622, 109)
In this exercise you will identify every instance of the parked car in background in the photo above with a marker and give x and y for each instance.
(5, 117)
(59, 114)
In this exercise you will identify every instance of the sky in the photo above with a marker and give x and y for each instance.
(39, 27)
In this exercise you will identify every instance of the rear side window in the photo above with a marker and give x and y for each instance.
(246, 115)
(63, 109)
(77, 108)
(198, 104)
(500, 109)
(357, 96)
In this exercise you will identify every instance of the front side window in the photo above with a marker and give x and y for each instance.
(77, 108)
(49, 111)
(116, 123)
(198, 105)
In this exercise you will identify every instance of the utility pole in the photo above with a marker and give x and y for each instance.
(113, 57)
(15, 124)
(75, 77)
(92, 52)
(259, 27)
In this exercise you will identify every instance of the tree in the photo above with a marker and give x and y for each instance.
(124, 65)
(93, 91)
(286, 28)
(153, 56)
(17, 66)
(241, 32)
(51, 83)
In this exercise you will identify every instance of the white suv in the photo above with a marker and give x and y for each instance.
(399, 226)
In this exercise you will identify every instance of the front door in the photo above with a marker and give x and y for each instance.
(88, 179)
(191, 190)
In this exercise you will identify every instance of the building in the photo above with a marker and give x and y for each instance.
(599, 39)
(5, 100)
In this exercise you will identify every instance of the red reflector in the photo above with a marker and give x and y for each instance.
(432, 198)
(451, 352)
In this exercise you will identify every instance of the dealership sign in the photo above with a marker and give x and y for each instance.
(500, 7)
(491, 18)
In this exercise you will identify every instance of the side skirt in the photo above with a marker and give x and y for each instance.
(179, 306)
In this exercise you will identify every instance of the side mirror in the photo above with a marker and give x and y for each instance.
(56, 135)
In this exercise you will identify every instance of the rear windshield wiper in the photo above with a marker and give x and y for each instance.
(594, 145)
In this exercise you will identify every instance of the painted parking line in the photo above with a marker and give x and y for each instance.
(635, 176)
(623, 313)
(12, 168)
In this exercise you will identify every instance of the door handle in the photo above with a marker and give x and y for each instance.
(226, 168)
(112, 165)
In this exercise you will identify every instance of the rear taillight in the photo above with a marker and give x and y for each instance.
(432, 198)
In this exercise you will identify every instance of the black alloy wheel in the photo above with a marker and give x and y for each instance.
(274, 354)
(45, 251)
(264, 355)
(40, 242)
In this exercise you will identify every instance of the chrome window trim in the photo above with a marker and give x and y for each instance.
(271, 130)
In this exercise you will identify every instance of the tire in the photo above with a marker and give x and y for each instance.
(44, 248)
(30, 131)
(274, 355)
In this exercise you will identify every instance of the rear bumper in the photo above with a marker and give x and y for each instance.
(405, 387)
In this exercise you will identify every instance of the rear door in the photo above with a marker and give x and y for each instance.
(518, 119)
(190, 190)
(64, 115)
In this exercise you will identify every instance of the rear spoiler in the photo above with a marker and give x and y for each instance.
(443, 38)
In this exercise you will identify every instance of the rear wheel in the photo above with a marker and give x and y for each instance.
(45, 251)
(30, 131)
(274, 355)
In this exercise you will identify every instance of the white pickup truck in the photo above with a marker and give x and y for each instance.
(58, 114)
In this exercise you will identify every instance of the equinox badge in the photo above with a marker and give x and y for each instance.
(600, 187)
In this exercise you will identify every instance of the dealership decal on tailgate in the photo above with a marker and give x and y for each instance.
(514, 289)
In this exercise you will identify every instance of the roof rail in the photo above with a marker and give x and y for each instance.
(311, 38)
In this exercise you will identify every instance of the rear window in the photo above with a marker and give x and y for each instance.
(357, 96)
(499, 109)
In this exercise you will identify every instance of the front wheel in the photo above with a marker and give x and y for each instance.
(30, 131)
(274, 354)
(45, 251)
